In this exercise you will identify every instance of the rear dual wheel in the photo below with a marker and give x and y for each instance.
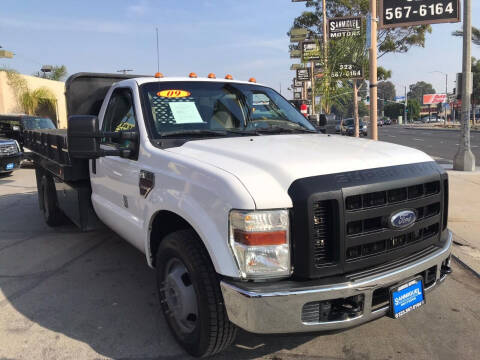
(48, 202)
(190, 295)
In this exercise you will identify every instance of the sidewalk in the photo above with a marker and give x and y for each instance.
(464, 217)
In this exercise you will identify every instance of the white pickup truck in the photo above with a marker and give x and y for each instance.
(250, 217)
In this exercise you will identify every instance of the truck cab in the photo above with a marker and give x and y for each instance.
(250, 216)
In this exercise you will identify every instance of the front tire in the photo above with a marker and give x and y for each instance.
(190, 295)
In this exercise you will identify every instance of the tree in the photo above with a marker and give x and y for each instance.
(419, 89)
(389, 40)
(394, 110)
(58, 73)
(31, 102)
(386, 90)
(413, 108)
(398, 40)
(475, 35)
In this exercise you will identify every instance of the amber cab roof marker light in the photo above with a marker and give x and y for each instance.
(229, 77)
(192, 75)
(158, 75)
(212, 76)
(252, 80)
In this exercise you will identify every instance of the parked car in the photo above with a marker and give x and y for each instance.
(348, 127)
(10, 155)
(14, 126)
(250, 217)
(338, 126)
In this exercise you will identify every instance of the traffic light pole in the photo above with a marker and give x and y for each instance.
(464, 159)
(373, 71)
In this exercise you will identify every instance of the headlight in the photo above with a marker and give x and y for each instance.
(260, 241)
(16, 128)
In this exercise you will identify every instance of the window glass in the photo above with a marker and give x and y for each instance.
(173, 107)
(120, 115)
(37, 123)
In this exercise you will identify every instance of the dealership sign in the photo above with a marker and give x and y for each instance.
(296, 66)
(345, 27)
(347, 71)
(298, 34)
(297, 83)
(432, 99)
(400, 13)
(311, 50)
(303, 74)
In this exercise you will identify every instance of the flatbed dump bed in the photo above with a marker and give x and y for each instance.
(50, 151)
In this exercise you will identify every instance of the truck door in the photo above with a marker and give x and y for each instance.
(115, 180)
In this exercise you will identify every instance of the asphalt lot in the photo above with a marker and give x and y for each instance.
(441, 144)
(71, 295)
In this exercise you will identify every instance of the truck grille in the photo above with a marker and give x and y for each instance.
(8, 149)
(322, 233)
(346, 225)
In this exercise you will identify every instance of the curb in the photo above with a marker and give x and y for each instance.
(438, 129)
(464, 265)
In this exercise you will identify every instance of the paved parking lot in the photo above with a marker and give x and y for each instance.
(71, 295)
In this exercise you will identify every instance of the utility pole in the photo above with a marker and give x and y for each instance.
(355, 109)
(373, 71)
(446, 100)
(464, 159)
(325, 45)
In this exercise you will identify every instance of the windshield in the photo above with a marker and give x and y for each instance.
(348, 122)
(37, 123)
(207, 107)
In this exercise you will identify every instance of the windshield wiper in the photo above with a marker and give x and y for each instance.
(281, 129)
(198, 132)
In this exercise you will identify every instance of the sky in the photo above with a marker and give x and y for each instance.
(244, 38)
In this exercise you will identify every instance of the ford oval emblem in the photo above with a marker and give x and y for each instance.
(403, 219)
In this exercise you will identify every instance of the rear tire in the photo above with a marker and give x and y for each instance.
(190, 295)
(48, 202)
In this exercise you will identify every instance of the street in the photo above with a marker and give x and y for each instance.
(71, 295)
(442, 145)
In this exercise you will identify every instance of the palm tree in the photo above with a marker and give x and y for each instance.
(31, 100)
(475, 35)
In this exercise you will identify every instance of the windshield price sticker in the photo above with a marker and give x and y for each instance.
(398, 13)
(174, 94)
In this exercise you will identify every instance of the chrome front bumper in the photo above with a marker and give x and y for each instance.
(268, 312)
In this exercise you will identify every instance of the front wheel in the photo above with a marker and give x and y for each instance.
(190, 295)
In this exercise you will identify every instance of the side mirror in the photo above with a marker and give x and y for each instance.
(82, 135)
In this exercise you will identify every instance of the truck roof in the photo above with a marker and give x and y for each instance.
(143, 80)
(85, 92)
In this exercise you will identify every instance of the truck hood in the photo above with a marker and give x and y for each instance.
(267, 165)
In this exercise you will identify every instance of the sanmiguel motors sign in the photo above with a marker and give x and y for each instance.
(345, 27)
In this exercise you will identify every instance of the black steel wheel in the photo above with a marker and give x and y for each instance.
(190, 295)
(48, 202)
